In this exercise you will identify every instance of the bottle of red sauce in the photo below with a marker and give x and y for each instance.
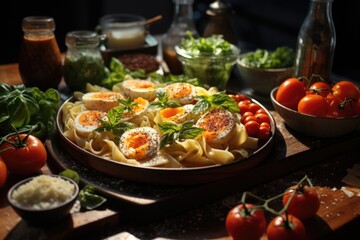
(40, 62)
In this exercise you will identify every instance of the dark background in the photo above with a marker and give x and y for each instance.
(258, 23)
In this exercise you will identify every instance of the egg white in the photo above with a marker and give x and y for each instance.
(135, 88)
(184, 93)
(87, 121)
(180, 114)
(218, 124)
(102, 101)
(140, 143)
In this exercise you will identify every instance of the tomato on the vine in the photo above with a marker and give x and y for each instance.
(245, 221)
(286, 227)
(313, 104)
(320, 88)
(24, 154)
(290, 92)
(305, 202)
(338, 108)
(3, 173)
(346, 90)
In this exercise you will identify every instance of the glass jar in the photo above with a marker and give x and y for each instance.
(83, 60)
(181, 24)
(40, 62)
(316, 43)
(219, 21)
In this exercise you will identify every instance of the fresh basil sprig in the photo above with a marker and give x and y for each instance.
(114, 123)
(163, 101)
(174, 132)
(216, 100)
(87, 196)
(127, 104)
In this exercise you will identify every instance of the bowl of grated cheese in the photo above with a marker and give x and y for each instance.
(43, 199)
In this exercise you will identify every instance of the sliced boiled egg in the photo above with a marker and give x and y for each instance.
(102, 101)
(140, 143)
(135, 88)
(87, 121)
(184, 93)
(218, 124)
(140, 107)
(178, 114)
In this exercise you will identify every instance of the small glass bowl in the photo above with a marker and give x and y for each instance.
(211, 70)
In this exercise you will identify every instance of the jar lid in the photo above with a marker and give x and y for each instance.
(82, 38)
(38, 23)
(219, 7)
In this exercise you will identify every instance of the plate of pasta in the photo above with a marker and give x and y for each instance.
(168, 134)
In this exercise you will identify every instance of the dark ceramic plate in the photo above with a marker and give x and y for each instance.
(163, 176)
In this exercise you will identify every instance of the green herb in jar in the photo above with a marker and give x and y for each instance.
(82, 70)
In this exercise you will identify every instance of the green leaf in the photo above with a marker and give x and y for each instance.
(216, 100)
(71, 174)
(88, 199)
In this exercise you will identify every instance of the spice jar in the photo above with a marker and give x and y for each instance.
(40, 63)
(219, 21)
(316, 42)
(182, 24)
(83, 60)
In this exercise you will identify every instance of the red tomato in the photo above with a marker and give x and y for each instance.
(262, 117)
(3, 173)
(238, 97)
(248, 119)
(253, 107)
(264, 133)
(340, 109)
(304, 204)
(23, 157)
(320, 88)
(346, 89)
(290, 92)
(245, 221)
(243, 106)
(312, 104)
(252, 128)
(286, 228)
(266, 125)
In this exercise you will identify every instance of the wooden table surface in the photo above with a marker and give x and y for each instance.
(324, 161)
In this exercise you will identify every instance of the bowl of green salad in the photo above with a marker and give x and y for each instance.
(262, 70)
(209, 59)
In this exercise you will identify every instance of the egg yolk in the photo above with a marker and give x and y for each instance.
(106, 95)
(171, 112)
(144, 85)
(179, 90)
(91, 118)
(138, 145)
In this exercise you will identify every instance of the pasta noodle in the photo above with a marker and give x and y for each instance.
(146, 132)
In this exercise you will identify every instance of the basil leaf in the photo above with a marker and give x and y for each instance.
(70, 174)
(88, 199)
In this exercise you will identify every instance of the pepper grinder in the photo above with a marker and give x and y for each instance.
(219, 22)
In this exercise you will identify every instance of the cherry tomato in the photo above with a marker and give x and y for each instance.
(346, 89)
(264, 133)
(238, 97)
(340, 109)
(320, 88)
(261, 110)
(249, 118)
(3, 173)
(286, 228)
(243, 106)
(313, 105)
(253, 107)
(290, 92)
(25, 156)
(266, 125)
(252, 128)
(245, 221)
(262, 117)
(304, 204)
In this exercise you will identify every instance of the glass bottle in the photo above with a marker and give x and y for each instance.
(219, 21)
(316, 43)
(40, 62)
(83, 60)
(181, 24)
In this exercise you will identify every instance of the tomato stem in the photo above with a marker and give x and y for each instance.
(18, 142)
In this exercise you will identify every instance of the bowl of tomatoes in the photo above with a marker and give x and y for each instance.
(320, 109)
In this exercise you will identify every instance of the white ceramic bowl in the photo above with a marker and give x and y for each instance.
(261, 80)
(321, 127)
